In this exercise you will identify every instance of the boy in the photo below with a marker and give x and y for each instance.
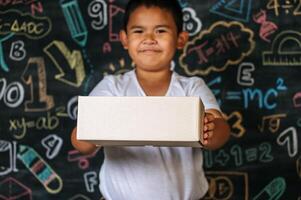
(152, 32)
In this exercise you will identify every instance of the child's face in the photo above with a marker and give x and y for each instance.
(152, 38)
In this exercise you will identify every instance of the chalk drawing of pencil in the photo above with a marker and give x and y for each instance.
(273, 191)
(2, 61)
(40, 169)
(75, 21)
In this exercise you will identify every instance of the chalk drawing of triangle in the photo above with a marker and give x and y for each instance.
(236, 6)
(234, 9)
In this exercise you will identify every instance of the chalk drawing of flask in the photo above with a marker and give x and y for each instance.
(75, 21)
(40, 169)
(8, 157)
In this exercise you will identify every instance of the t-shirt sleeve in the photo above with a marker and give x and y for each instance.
(104, 87)
(200, 89)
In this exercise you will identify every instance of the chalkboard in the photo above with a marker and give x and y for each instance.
(247, 51)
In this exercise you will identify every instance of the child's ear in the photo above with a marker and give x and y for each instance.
(182, 39)
(123, 38)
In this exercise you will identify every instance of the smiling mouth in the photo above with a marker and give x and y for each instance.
(149, 51)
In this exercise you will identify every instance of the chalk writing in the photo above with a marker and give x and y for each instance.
(288, 6)
(53, 145)
(34, 75)
(24, 24)
(244, 74)
(114, 12)
(272, 122)
(90, 181)
(192, 23)
(97, 10)
(235, 121)
(17, 51)
(217, 54)
(12, 94)
(265, 99)
(36, 6)
(72, 108)
(262, 153)
(19, 127)
(289, 138)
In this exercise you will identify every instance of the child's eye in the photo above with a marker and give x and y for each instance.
(137, 31)
(161, 31)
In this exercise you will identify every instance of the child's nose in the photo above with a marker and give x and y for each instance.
(149, 39)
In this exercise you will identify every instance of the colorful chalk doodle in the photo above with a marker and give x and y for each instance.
(234, 9)
(247, 52)
(289, 7)
(223, 44)
(192, 23)
(285, 51)
(24, 24)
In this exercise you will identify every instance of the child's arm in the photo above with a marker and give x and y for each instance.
(216, 130)
(82, 146)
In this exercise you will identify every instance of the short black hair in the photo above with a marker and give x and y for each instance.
(172, 6)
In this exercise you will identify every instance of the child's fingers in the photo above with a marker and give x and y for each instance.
(208, 118)
(209, 126)
(208, 134)
(206, 138)
(205, 142)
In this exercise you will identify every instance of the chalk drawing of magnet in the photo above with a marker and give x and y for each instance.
(40, 169)
(273, 191)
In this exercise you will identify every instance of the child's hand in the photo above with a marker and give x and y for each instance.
(208, 129)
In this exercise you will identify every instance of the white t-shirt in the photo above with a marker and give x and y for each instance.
(148, 173)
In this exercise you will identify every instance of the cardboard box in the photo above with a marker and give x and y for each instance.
(131, 121)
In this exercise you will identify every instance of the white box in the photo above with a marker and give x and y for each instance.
(132, 121)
